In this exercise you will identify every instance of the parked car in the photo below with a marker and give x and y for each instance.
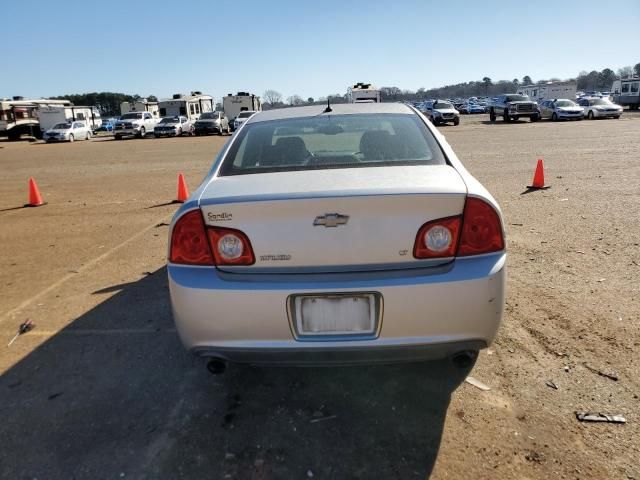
(173, 127)
(107, 125)
(512, 107)
(442, 112)
(67, 132)
(599, 108)
(285, 255)
(463, 108)
(212, 122)
(475, 108)
(241, 118)
(561, 109)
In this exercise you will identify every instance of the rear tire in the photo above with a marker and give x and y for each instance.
(590, 115)
(505, 116)
(492, 115)
(554, 117)
(534, 118)
(118, 137)
(71, 139)
(143, 132)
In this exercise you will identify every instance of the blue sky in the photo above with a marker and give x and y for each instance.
(309, 48)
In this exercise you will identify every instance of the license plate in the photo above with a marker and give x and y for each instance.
(336, 314)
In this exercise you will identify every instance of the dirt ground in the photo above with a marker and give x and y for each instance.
(102, 388)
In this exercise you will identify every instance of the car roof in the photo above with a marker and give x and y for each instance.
(336, 109)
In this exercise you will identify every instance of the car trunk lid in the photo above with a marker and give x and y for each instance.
(355, 219)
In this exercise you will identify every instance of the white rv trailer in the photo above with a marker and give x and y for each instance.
(626, 92)
(49, 115)
(232, 105)
(190, 106)
(363, 93)
(549, 91)
(142, 105)
(20, 117)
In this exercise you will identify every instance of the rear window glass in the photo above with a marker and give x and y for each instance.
(332, 141)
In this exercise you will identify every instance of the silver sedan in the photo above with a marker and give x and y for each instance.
(347, 234)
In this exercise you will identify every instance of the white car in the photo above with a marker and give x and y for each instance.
(67, 132)
(241, 118)
(347, 234)
(561, 109)
(599, 108)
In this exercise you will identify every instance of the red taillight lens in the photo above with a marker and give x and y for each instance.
(438, 238)
(481, 229)
(189, 241)
(230, 247)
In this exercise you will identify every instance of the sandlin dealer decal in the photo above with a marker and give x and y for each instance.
(219, 217)
(275, 258)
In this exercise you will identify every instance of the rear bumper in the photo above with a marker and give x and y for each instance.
(428, 313)
(341, 355)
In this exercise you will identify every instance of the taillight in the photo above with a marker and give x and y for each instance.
(192, 243)
(438, 238)
(477, 231)
(230, 247)
(189, 243)
(481, 229)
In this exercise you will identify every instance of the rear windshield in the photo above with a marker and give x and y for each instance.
(170, 120)
(62, 126)
(335, 141)
(130, 116)
(207, 115)
(245, 114)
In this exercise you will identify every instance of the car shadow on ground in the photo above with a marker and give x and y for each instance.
(115, 395)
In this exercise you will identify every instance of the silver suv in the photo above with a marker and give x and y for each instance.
(212, 122)
(441, 111)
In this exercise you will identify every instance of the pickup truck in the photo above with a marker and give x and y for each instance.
(134, 123)
(512, 106)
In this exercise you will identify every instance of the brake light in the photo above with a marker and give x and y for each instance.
(481, 229)
(230, 247)
(438, 238)
(189, 243)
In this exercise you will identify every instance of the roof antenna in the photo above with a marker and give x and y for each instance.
(328, 109)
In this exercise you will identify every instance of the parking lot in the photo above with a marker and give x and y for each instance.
(102, 388)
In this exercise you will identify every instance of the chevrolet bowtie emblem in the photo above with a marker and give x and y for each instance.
(331, 220)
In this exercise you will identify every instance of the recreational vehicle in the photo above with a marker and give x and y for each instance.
(626, 92)
(190, 106)
(51, 115)
(363, 93)
(549, 91)
(142, 105)
(232, 105)
(20, 117)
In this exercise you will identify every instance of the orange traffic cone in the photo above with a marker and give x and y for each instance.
(35, 199)
(183, 191)
(538, 177)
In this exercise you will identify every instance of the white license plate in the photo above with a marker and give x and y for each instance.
(342, 314)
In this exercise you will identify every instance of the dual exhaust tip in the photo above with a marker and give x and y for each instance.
(464, 359)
